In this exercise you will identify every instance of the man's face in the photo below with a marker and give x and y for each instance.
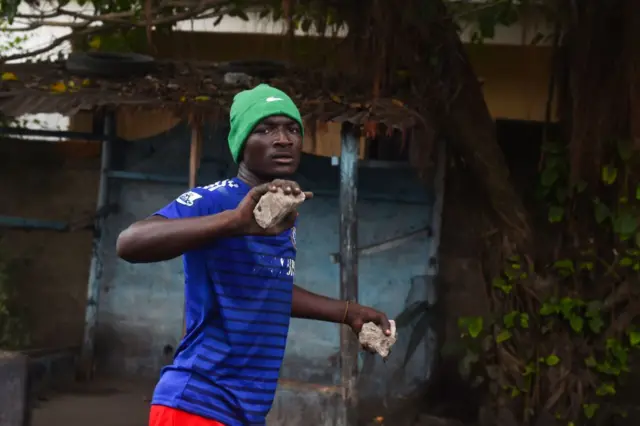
(273, 147)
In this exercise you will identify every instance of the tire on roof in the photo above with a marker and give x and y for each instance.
(109, 64)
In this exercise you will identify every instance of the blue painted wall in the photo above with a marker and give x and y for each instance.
(140, 311)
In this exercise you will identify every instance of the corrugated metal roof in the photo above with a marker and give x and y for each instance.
(189, 89)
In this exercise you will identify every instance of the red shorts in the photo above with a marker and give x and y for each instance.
(165, 416)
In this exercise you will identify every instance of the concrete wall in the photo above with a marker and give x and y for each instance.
(140, 307)
(57, 182)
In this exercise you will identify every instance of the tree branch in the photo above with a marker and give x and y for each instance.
(191, 9)
(55, 43)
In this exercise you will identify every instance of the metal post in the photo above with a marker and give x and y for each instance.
(95, 271)
(349, 346)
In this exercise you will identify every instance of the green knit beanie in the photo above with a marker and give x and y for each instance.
(251, 106)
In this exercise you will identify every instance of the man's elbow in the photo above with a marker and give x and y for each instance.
(125, 246)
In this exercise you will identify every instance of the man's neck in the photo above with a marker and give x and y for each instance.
(249, 177)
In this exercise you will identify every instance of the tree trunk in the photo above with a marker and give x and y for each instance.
(471, 130)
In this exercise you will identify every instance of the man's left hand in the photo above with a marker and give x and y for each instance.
(358, 315)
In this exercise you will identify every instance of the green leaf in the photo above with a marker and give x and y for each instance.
(503, 336)
(566, 264)
(475, 327)
(501, 284)
(638, 192)
(590, 362)
(625, 224)
(530, 369)
(609, 174)
(621, 412)
(552, 360)
(556, 213)
(606, 389)
(512, 274)
(596, 324)
(566, 307)
(590, 410)
(593, 308)
(626, 261)
(624, 149)
(602, 212)
(586, 266)
(524, 320)
(581, 186)
(577, 323)
(607, 368)
(548, 309)
(561, 195)
(509, 319)
(549, 176)
(634, 338)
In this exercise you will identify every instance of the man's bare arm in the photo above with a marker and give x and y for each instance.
(314, 306)
(157, 238)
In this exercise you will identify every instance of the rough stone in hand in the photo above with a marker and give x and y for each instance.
(275, 206)
(373, 338)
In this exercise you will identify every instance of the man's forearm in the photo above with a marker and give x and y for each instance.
(157, 238)
(314, 306)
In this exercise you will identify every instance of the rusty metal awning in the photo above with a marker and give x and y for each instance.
(189, 90)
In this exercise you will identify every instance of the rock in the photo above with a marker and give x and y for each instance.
(373, 338)
(275, 206)
(238, 79)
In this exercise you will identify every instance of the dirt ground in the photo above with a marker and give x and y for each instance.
(99, 403)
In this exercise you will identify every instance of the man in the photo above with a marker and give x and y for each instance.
(239, 289)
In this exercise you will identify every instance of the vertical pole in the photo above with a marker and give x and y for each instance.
(95, 271)
(349, 346)
(195, 153)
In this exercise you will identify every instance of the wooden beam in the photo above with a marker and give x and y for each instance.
(385, 245)
(349, 345)
(195, 154)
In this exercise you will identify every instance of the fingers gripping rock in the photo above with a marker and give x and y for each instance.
(373, 338)
(275, 206)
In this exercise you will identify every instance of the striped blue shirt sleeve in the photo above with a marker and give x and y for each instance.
(193, 203)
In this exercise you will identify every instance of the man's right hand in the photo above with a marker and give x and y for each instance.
(247, 224)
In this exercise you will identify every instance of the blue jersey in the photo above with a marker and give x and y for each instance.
(238, 295)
